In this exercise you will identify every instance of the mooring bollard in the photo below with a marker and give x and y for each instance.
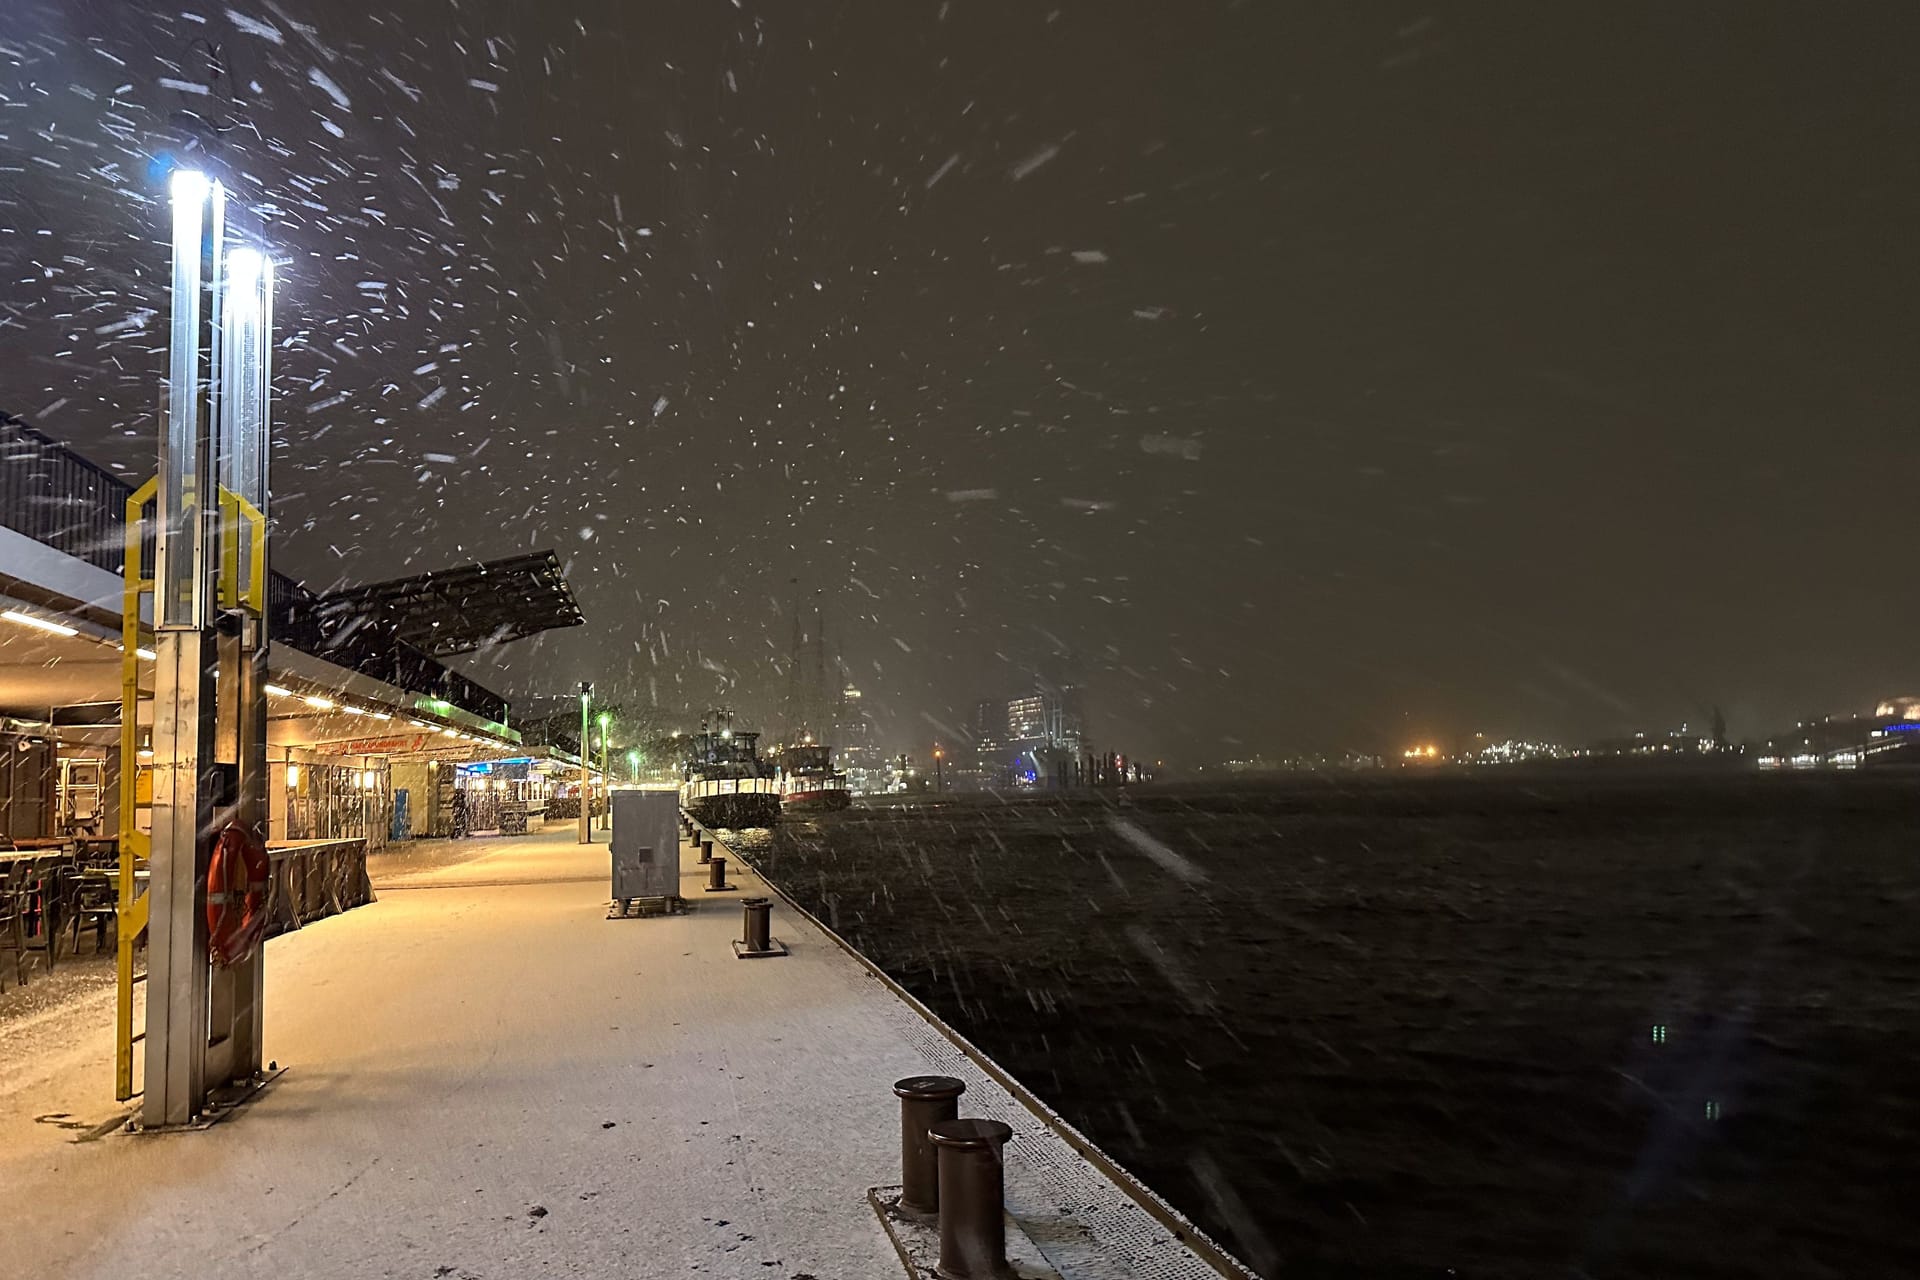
(757, 924)
(706, 852)
(924, 1102)
(973, 1230)
(717, 875)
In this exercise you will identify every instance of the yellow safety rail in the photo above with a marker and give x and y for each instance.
(135, 844)
(234, 509)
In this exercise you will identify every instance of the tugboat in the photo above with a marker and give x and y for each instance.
(808, 781)
(727, 783)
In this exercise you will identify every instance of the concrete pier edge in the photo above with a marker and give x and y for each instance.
(1203, 1246)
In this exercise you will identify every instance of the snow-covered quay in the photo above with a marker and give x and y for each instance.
(484, 1076)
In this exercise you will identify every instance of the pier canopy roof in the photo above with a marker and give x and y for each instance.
(459, 610)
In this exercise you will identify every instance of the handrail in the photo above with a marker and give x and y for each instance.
(234, 509)
(131, 907)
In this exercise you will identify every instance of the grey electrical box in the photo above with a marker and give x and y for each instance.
(646, 844)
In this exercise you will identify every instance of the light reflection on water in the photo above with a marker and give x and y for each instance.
(746, 839)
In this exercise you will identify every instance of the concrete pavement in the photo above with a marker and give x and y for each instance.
(487, 1078)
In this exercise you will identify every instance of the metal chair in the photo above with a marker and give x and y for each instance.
(39, 904)
(91, 898)
(13, 920)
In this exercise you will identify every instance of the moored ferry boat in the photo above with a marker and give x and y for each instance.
(727, 783)
(808, 780)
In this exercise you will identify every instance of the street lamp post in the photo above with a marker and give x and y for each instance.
(939, 778)
(606, 718)
(586, 785)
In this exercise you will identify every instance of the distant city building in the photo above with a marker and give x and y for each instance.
(855, 752)
(1051, 716)
(1890, 736)
(1027, 717)
(1045, 738)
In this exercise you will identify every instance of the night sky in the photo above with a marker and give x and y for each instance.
(1302, 376)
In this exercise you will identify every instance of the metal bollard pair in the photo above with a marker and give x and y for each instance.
(956, 1170)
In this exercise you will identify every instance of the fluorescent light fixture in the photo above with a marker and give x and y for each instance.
(379, 715)
(39, 624)
(148, 654)
(321, 704)
(278, 692)
(145, 753)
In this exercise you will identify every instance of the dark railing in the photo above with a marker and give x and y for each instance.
(55, 496)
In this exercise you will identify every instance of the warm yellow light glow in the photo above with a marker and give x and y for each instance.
(278, 692)
(293, 776)
(318, 703)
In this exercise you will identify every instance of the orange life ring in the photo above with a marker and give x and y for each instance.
(236, 895)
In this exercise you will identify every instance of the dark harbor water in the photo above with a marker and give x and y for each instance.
(1499, 1026)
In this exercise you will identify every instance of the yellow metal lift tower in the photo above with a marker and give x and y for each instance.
(206, 767)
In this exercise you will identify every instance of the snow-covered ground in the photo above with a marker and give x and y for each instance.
(486, 1077)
